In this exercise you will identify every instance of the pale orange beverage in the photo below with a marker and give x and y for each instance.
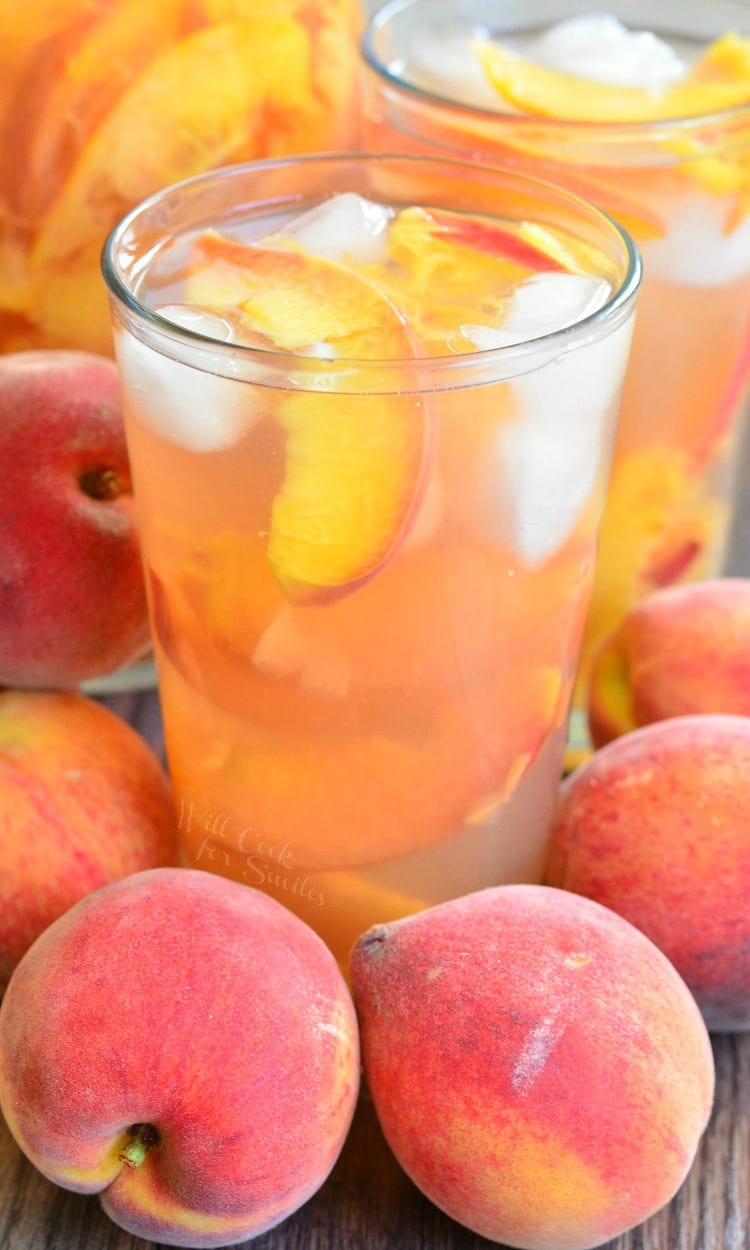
(649, 117)
(102, 102)
(370, 405)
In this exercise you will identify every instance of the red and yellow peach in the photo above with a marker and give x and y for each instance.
(656, 826)
(83, 801)
(679, 651)
(538, 1067)
(186, 1048)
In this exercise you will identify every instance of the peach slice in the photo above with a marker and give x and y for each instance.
(356, 465)
(351, 492)
(721, 80)
(726, 411)
(529, 245)
(640, 219)
(489, 236)
(332, 28)
(294, 298)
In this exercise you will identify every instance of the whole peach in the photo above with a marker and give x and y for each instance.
(679, 651)
(83, 801)
(72, 598)
(538, 1067)
(656, 825)
(186, 1048)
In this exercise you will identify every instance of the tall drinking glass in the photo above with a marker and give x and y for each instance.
(671, 161)
(370, 403)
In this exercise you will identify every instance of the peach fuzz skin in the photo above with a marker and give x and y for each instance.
(204, 1010)
(657, 826)
(72, 596)
(83, 801)
(538, 1067)
(679, 651)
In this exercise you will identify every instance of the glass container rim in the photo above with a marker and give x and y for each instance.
(601, 129)
(548, 343)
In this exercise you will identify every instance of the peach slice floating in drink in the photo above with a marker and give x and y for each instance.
(353, 480)
(718, 81)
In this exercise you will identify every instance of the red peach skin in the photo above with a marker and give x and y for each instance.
(657, 826)
(83, 801)
(72, 596)
(185, 1047)
(679, 651)
(538, 1067)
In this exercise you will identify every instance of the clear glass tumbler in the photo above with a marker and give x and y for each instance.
(368, 573)
(680, 185)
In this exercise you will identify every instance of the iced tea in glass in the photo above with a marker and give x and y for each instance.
(370, 405)
(645, 110)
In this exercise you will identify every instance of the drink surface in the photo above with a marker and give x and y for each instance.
(595, 103)
(367, 596)
(585, 68)
(103, 103)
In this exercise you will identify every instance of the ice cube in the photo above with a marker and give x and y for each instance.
(197, 320)
(597, 46)
(344, 227)
(696, 251)
(185, 405)
(286, 650)
(542, 304)
(320, 351)
(544, 464)
(443, 61)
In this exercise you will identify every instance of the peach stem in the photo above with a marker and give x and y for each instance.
(141, 1138)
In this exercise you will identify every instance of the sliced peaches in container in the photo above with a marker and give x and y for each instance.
(356, 464)
(212, 121)
(71, 81)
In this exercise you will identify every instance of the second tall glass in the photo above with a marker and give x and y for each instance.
(680, 185)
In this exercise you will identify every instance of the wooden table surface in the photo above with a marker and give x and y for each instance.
(368, 1203)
